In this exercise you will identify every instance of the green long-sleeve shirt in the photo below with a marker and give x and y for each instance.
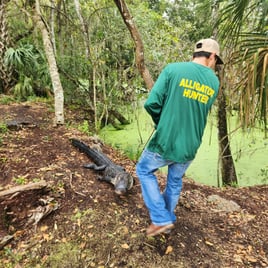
(179, 103)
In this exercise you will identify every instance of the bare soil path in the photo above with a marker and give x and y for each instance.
(87, 225)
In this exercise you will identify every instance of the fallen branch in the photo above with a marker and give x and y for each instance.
(22, 188)
(47, 206)
(5, 240)
(72, 187)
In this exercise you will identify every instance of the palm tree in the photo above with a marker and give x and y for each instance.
(242, 25)
(30, 73)
(245, 29)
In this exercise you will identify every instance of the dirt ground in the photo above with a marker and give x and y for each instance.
(78, 221)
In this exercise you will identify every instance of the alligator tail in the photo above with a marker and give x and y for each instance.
(97, 157)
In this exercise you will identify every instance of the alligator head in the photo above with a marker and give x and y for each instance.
(123, 182)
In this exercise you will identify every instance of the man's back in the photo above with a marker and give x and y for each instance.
(179, 103)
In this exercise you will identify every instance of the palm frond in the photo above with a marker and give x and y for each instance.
(252, 56)
(236, 16)
(20, 57)
(23, 88)
(231, 19)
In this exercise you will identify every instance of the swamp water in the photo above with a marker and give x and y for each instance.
(249, 150)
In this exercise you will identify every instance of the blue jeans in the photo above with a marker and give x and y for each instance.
(161, 206)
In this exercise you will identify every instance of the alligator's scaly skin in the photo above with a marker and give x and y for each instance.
(112, 173)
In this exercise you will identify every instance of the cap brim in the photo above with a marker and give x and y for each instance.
(219, 60)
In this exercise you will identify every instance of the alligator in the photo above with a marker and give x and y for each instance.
(112, 173)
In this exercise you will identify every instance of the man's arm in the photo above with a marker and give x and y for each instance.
(157, 96)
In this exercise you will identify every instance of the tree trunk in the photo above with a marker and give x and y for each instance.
(52, 65)
(228, 172)
(227, 167)
(83, 26)
(139, 51)
(119, 117)
(52, 25)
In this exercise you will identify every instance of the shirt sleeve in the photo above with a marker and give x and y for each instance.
(157, 96)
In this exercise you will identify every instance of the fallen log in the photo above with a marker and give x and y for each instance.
(22, 188)
(19, 124)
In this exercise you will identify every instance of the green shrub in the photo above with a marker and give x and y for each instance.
(3, 128)
(5, 99)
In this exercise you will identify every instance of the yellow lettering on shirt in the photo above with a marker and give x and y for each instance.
(196, 91)
(188, 93)
(182, 83)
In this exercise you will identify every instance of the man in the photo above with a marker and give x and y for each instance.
(178, 103)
